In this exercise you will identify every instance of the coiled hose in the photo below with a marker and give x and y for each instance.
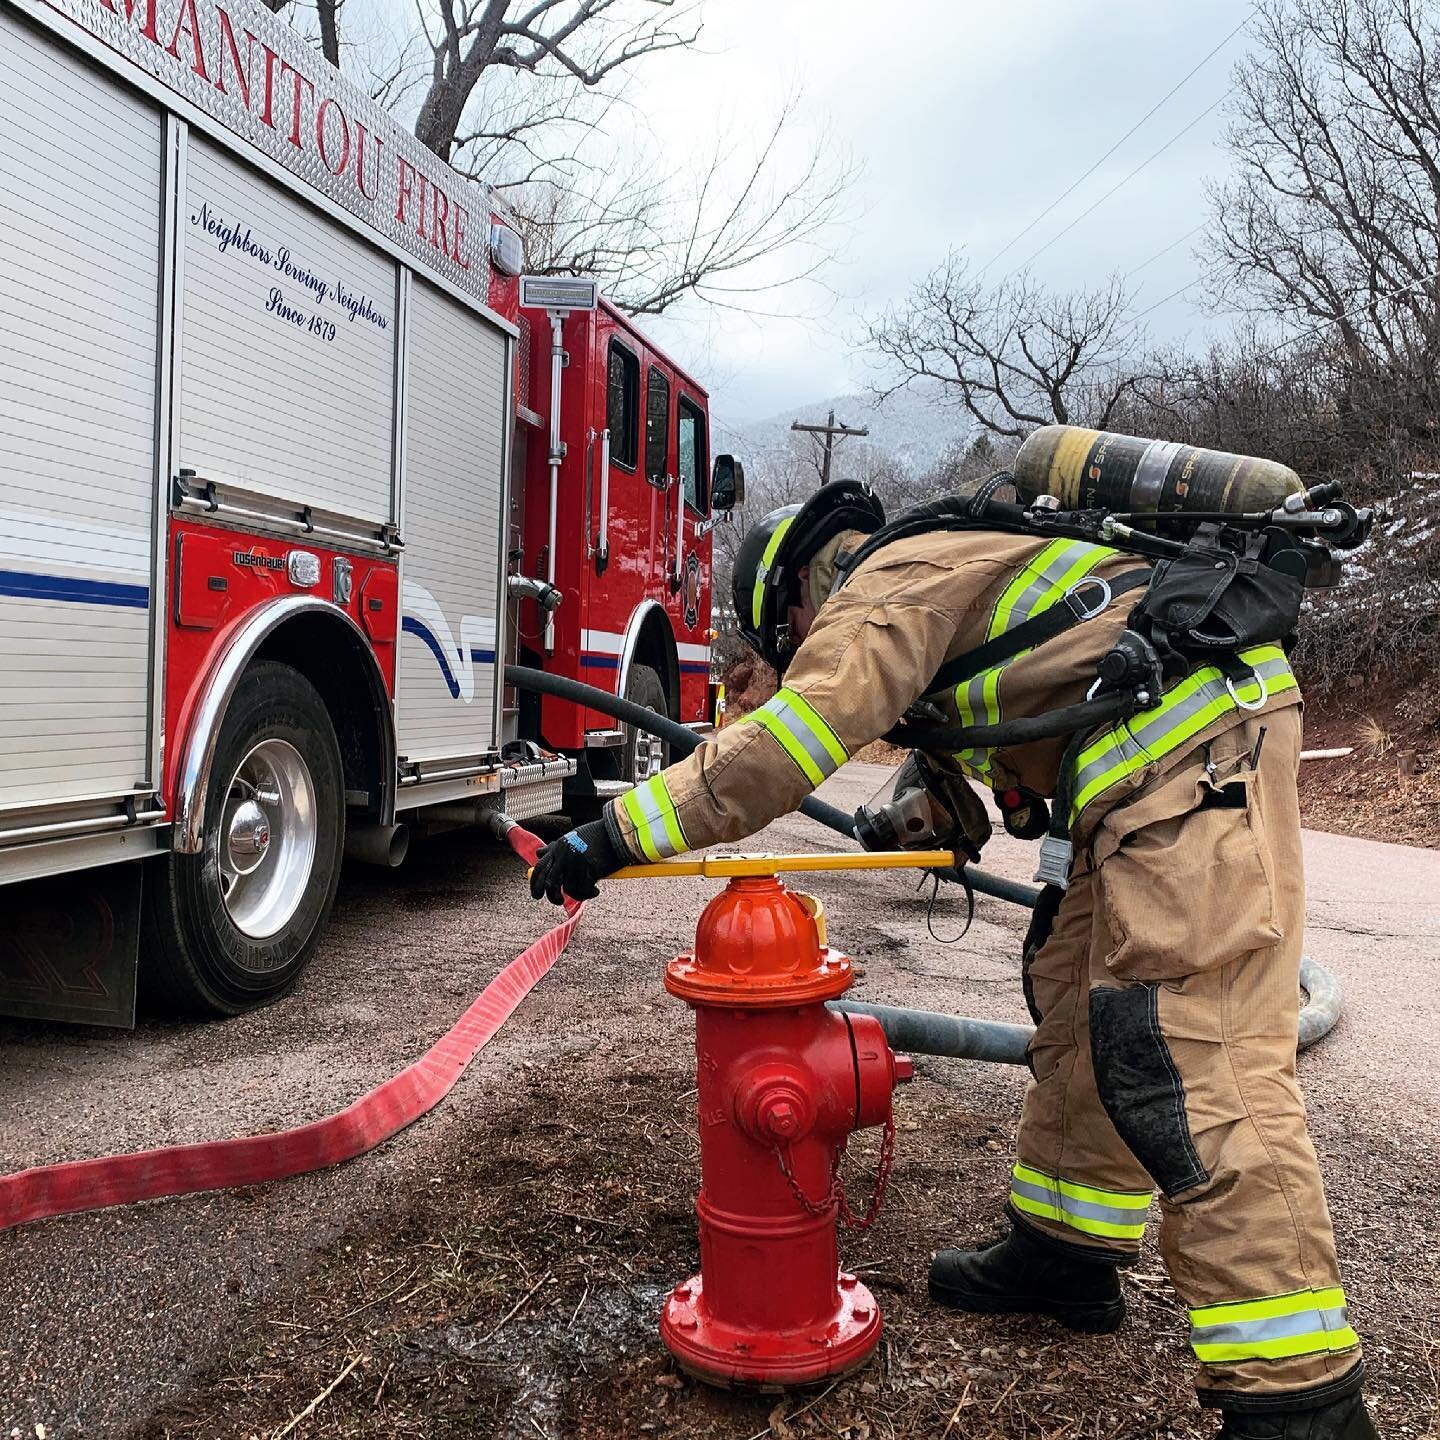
(919, 1032)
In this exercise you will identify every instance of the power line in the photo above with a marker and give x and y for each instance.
(1189, 285)
(1059, 200)
(1149, 159)
(1145, 264)
(1347, 314)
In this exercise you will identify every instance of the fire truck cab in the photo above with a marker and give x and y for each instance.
(630, 548)
(290, 470)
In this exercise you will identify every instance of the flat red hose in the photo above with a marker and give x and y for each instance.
(80, 1185)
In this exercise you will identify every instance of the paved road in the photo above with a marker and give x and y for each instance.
(107, 1316)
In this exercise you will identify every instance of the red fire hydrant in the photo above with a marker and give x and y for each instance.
(783, 1081)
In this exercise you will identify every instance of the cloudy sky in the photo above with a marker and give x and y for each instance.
(967, 118)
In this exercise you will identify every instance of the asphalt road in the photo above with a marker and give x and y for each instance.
(106, 1317)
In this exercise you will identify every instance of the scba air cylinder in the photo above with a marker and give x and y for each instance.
(1098, 470)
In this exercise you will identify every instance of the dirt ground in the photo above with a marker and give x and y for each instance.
(1388, 788)
(497, 1270)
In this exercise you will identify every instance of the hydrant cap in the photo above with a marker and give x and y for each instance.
(757, 944)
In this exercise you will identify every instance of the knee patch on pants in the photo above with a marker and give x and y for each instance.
(1140, 1087)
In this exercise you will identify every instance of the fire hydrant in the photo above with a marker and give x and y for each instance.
(783, 1082)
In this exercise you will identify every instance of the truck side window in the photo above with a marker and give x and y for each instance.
(622, 405)
(691, 447)
(657, 426)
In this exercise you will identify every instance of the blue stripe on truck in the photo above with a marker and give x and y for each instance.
(74, 591)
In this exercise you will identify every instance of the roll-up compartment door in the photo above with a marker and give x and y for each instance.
(288, 362)
(457, 414)
(80, 207)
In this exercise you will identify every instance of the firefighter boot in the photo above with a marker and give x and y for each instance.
(1345, 1419)
(1025, 1274)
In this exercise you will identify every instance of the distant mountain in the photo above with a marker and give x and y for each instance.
(914, 428)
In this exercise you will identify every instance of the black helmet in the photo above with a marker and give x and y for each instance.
(771, 553)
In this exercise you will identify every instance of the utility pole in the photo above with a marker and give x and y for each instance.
(830, 430)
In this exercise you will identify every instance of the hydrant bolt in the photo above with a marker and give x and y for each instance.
(779, 1118)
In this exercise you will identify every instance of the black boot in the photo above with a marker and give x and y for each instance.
(1345, 1419)
(1026, 1274)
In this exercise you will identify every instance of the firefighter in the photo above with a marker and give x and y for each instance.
(1164, 983)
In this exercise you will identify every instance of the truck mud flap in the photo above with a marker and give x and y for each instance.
(70, 946)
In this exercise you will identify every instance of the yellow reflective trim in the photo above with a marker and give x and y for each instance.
(1316, 1342)
(630, 804)
(1267, 1309)
(816, 723)
(792, 747)
(1077, 1222)
(660, 793)
(1010, 596)
(1082, 567)
(772, 547)
(1120, 1199)
(1123, 740)
(1082, 557)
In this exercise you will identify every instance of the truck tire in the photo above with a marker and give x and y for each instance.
(232, 928)
(643, 755)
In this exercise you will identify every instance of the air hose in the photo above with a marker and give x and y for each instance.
(919, 1031)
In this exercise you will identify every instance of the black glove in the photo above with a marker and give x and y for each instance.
(572, 864)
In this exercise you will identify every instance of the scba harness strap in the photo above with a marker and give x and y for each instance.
(1194, 653)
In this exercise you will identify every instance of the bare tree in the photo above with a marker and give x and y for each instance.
(587, 40)
(529, 96)
(1331, 220)
(729, 230)
(1015, 355)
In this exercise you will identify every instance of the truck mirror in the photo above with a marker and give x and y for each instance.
(727, 483)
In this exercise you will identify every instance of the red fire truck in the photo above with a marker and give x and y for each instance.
(293, 462)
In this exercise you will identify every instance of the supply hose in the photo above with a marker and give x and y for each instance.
(523, 677)
(1317, 1017)
(77, 1185)
(925, 1032)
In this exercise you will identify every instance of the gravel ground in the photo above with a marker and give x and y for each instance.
(496, 1270)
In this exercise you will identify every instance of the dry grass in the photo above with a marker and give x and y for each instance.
(1373, 737)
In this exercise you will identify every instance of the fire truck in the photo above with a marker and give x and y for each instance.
(293, 461)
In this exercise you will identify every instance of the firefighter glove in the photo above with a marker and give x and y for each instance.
(572, 864)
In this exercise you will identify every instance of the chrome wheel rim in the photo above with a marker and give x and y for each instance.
(649, 756)
(268, 829)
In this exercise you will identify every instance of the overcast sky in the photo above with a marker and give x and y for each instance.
(967, 119)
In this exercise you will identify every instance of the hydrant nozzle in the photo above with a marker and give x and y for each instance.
(783, 1083)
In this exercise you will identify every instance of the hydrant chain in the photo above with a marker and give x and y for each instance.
(882, 1182)
(835, 1196)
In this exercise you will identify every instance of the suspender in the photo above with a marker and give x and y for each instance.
(1049, 623)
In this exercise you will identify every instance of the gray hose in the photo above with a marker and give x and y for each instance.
(1322, 1005)
(916, 1030)
(923, 1032)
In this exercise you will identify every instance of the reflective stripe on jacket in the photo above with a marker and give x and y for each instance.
(1043, 582)
(1190, 705)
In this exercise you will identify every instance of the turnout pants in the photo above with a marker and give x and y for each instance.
(1166, 1000)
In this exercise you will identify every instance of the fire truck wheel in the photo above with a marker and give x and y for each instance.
(644, 755)
(233, 927)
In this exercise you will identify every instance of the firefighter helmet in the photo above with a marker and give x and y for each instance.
(774, 551)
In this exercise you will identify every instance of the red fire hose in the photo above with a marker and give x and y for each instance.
(253, 1159)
